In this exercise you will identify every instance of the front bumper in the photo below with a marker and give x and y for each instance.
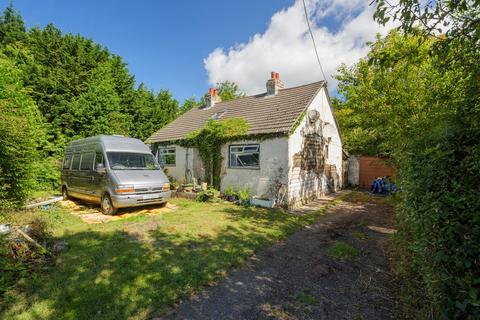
(135, 200)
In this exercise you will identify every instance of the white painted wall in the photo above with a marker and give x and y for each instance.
(272, 157)
(184, 160)
(305, 185)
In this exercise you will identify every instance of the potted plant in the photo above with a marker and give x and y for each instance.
(230, 194)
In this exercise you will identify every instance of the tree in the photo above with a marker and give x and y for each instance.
(12, 27)
(98, 110)
(188, 105)
(80, 89)
(152, 112)
(227, 90)
(382, 98)
(421, 103)
(20, 133)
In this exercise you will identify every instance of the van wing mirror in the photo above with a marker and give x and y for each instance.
(100, 168)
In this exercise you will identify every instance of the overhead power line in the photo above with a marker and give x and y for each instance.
(313, 40)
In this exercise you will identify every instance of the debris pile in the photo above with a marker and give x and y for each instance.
(24, 249)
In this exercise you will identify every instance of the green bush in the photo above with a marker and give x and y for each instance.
(20, 131)
(230, 191)
(244, 195)
(47, 173)
(207, 196)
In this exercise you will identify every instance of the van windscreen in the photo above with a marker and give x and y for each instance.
(132, 161)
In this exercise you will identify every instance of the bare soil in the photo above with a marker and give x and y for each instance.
(91, 213)
(298, 279)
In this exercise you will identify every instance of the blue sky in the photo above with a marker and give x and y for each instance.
(163, 42)
(188, 46)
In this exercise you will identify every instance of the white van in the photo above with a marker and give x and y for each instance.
(114, 171)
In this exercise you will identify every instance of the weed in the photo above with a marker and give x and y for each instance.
(342, 251)
(306, 298)
(360, 236)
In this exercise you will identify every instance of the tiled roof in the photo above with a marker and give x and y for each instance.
(265, 114)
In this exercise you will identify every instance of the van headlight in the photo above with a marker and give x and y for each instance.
(123, 189)
(166, 187)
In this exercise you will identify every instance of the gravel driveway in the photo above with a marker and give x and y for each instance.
(298, 279)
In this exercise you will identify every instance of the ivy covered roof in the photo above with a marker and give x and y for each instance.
(265, 114)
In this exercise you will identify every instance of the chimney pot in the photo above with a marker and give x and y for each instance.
(211, 98)
(274, 83)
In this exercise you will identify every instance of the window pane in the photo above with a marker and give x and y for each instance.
(250, 148)
(166, 156)
(236, 149)
(98, 159)
(247, 160)
(244, 156)
(76, 161)
(132, 161)
(87, 161)
(67, 161)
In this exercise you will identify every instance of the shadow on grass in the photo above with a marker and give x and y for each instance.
(114, 275)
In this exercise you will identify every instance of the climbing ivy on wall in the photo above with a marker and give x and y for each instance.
(208, 141)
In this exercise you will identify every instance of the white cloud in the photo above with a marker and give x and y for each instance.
(286, 46)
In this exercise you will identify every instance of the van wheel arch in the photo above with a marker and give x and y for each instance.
(65, 194)
(106, 204)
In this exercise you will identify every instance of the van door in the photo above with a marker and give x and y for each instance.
(74, 176)
(67, 161)
(99, 178)
(86, 174)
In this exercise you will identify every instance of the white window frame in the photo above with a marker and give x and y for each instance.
(167, 151)
(244, 152)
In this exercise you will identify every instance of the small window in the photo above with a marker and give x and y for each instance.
(98, 159)
(167, 156)
(75, 161)
(246, 156)
(67, 161)
(87, 161)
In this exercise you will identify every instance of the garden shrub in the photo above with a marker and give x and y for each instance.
(230, 192)
(244, 195)
(207, 195)
(20, 131)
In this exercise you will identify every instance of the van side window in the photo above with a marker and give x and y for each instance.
(76, 161)
(67, 161)
(87, 161)
(98, 159)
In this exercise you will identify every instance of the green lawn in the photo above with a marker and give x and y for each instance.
(138, 267)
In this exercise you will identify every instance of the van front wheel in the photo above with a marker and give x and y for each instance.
(107, 205)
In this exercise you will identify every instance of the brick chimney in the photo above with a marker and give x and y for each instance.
(212, 97)
(274, 83)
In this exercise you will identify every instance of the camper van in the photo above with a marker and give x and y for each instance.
(113, 171)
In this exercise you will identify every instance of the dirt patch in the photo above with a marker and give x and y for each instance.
(298, 279)
(91, 214)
